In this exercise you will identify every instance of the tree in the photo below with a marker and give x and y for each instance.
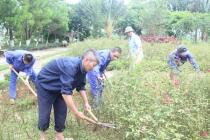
(41, 15)
(91, 16)
(113, 10)
(151, 17)
(9, 10)
(205, 6)
(201, 6)
(203, 23)
(180, 23)
(177, 5)
(27, 20)
(145, 17)
(131, 17)
(59, 20)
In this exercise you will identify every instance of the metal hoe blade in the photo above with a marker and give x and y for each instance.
(100, 123)
(108, 125)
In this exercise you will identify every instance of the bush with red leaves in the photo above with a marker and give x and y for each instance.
(160, 39)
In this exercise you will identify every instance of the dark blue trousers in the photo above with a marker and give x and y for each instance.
(45, 107)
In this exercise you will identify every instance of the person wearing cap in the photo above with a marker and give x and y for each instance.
(55, 84)
(135, 45)
(178, 57)
(95, 77)
(20, 61)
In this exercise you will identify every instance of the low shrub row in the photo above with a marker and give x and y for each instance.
(160, 39)
(34, 47)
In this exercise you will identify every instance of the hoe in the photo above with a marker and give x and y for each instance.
(95, 121)
(24, 82)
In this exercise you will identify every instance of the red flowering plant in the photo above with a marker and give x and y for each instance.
(176, 83)
(204, 133)
(160, 105)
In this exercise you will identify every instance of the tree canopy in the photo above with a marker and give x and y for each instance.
(28, 19)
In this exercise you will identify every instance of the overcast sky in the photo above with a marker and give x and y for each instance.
(73, 1)
(76, 1)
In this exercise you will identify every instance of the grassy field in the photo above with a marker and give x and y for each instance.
(144, 102)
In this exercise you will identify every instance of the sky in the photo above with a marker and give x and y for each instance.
(72, 1)
(76, 1)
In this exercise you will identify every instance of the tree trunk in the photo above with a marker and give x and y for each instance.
(109, 27)
(21, 37)
(78, 32)
(195, 35)
(2, 28)
(12, 44)
(55, 37)
(6, 38)
(37, 41)
(47, 39)
(56, 40)
(27, 35)
(204, 37)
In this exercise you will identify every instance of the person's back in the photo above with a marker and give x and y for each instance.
(20, 61)
(63, 72)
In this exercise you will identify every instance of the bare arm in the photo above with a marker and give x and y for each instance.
(193, 62)
(70, 104)
(84, 97)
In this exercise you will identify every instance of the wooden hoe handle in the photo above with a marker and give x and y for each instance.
(107, 79)
(93, 116)
(24, 82)
(90, 120)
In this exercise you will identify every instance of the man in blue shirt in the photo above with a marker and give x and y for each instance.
(135, 45)
(95, 77)
(20, 60)
(179, 57)
(55, 84)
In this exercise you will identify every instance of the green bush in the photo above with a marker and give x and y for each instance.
(4, 84)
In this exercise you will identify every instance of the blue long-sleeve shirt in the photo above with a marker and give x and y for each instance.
(62, 75)
(134, 44)
(15, 58)
(174, 60)
(105, 59)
